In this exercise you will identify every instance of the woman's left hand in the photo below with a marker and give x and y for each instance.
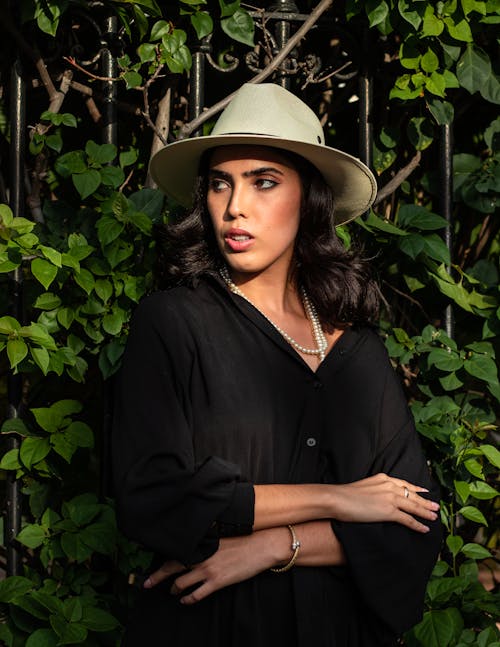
(237, 559)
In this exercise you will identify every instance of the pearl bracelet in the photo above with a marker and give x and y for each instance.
(295, 548)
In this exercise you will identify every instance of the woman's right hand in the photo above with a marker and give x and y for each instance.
(383, 498)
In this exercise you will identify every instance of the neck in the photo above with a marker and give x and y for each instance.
(271, 290)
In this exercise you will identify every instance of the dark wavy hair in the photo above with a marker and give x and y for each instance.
(339, 281)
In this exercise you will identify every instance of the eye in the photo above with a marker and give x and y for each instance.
(265, 183)
(217, 185)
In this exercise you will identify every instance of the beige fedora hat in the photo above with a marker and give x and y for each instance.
(269, 115)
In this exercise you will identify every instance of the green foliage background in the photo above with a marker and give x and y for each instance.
(85, 251)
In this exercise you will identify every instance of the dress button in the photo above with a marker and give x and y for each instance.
(311, 442)
(318, 385)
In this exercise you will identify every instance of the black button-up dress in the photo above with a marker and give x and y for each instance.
(212, 400)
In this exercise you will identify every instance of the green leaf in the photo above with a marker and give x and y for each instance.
(54, 141)
(128, 157)
(374, 222)
(85, 280)
(432, 25)
(436, 84)
(73, 609)
(42, 638)
(16, 351)
(100, 153)
(228, 8)
(445, 359)
(72, 162)
(52, 255)
(474, 467)
(47, 418)
(43, 271)
(9, 325)
(473, 69)
(81, 434)
(38, 334)
(63, 445)
(41, 358)
(454, 543)
(473, 514)
(100, 537)
(15, 426)
(436, 248)
(240, 27)
(450, 383)
(420, 132)
(413, 17)
(411, 215)
(118, 251)
(459, 31)
(483, 491)
(10, 460)
(141, 221)
(47, 301)
(65, 316)
(482, 367)
(147, 54)
(148, 201)
(108, 229)
(442, 111)
(14, 587)
(476, 551)
(438, 627)
(74, 547)
(113, 322)
(429, 61)
(112, 176)
(103, 289)
(492, 454)
(32, 536)
(132, 79)
(160, 29)
(86, 183)
(68, 632)
(376, 11)
(33, 450)
(97, 619)
(202, 23)
(63, 408)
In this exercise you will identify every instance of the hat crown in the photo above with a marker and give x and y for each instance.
(270, 110)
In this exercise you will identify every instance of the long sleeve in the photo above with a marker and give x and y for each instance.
(165, 499)
(389, 563)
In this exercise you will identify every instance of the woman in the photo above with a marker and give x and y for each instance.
(263, 447)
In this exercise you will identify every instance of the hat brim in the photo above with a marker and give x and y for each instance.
(175, 167)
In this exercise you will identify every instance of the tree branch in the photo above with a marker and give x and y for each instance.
(193, 125)
(398, 179)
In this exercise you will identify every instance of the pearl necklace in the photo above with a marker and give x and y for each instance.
(310, 310)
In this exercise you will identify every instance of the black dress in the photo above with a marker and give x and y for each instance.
(211, 400)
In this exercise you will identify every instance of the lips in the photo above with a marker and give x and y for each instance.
(238, 240)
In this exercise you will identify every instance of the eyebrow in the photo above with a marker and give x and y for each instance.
(258, 171)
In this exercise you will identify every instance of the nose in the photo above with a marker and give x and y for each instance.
(237, 205)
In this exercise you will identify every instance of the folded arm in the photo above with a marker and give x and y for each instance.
(240, 558)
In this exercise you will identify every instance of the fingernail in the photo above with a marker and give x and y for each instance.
(424, 489)
(148, 584)
(435, 506)
(426, 529)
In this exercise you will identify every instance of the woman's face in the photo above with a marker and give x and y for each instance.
(254, 200)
